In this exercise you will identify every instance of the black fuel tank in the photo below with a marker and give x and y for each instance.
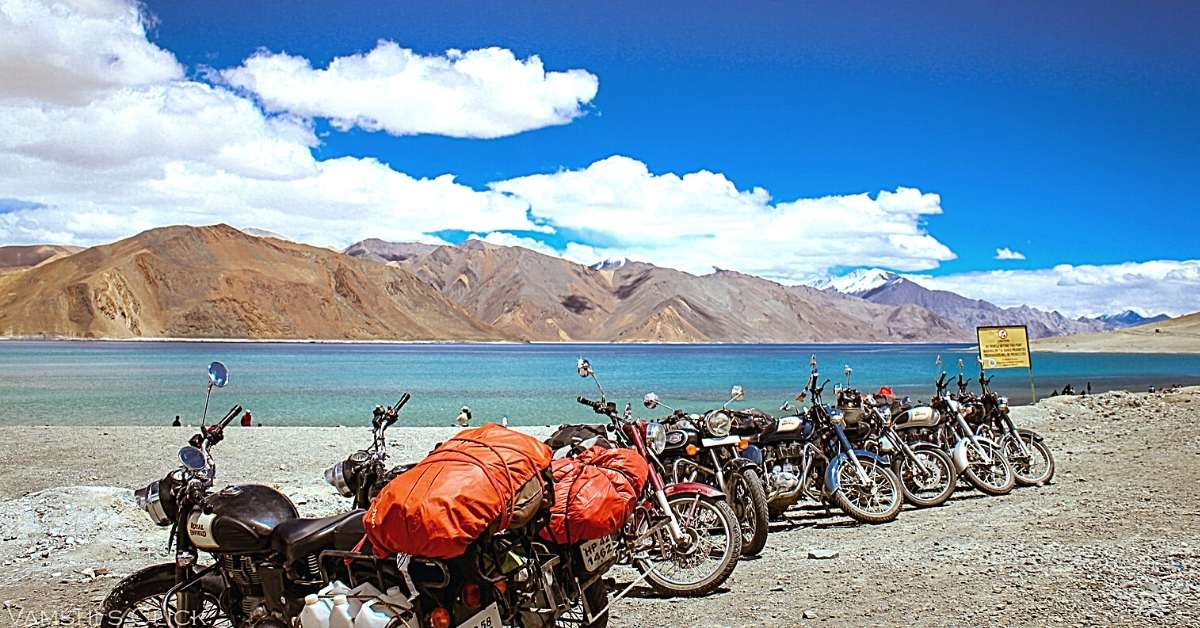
(239, 519)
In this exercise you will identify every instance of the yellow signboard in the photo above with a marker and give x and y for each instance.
(1004, 347)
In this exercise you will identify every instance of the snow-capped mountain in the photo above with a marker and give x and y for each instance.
(610, 264)
(1129, 318)
(859, 282)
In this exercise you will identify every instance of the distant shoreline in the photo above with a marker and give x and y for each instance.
(335, 341)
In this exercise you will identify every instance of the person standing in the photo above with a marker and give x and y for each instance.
(464, 417)
(176, 422)
(247, 420)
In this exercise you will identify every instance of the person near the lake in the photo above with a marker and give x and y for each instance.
(247, 420)
(464, 417)
(176, 422)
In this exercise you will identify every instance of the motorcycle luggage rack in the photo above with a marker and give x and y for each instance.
(381, 567)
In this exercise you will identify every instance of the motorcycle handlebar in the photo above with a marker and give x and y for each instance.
(400, 404)
(597, 406)
(233, 412)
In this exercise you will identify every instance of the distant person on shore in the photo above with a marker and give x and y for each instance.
(1055, 393)
(176, 422)
(1152, 388)
(247, 420)
(1068, 390)
(464, 417)
(1089, 389)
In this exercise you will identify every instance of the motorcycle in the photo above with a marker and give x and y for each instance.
(811, 455)
(683, 538)
(264, 555)
(926, 473)
(1025, 449)
(514, 577)
(976, 457)
(700, 448)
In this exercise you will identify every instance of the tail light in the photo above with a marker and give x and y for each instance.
(439, 618)
(470, 596)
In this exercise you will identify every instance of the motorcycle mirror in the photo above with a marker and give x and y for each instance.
(736, 394)
(785, 407)
(218, 375)
(584, 368)
(801, 396)
(650, 400)
(192, 458)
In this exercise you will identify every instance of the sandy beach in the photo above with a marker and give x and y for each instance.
(1114, 540)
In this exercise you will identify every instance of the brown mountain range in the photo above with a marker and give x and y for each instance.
(539, 297)
(19, 257)
(217, 282)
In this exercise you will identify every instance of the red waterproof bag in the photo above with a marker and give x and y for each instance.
(478, 479)
(595, 492)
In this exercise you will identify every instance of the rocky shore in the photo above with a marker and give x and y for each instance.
(1115, 540)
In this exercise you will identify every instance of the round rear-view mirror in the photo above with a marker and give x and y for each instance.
(218, 375)
(192, 458)
(737, 394)
(583, 367)
(650, 400)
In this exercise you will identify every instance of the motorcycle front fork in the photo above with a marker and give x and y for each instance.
(984, 457)
(849, 448)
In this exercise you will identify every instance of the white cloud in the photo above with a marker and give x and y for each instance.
(1152, 287)
(701, 219)
(1009, 254)
(484, 93)
(143, 147)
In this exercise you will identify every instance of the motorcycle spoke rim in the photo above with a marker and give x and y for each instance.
(712, 543)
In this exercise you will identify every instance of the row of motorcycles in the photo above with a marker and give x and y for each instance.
(244, 557)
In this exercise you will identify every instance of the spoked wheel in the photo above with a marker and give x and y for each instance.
(708, 555)
(749, 502)
(878, 500)
(593, 600)
(929, 479)
(1035, 467)
(136, 602)
(993, 478)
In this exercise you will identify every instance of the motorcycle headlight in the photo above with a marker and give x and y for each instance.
(656, 437)
(149, 499)
(336, 477)
(718, 424)
(1003, 402)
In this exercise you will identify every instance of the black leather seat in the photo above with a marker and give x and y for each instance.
(298, 538)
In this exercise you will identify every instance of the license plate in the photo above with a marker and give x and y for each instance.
(720, 442)
(486, 618)
(597, 552)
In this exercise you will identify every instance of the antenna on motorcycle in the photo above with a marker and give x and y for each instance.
(218, 376)
(584, 368)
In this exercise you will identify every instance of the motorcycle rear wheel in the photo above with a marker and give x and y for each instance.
(134, 602)
(931, 489)
(711, 516)
(996, 478)
(750, 505)
(1034, 469)
(596, 598)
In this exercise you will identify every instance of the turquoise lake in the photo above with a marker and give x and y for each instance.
(148, 383)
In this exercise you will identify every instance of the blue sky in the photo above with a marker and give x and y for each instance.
(789, 140)
(1020, 115)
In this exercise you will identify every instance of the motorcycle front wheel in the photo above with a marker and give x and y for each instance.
(1034, 468)
(708, 557)
(996, 478)
(928, 479)
(749, 501)
(877, 501)
(135, 602)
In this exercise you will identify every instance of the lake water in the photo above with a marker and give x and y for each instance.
(148, 383)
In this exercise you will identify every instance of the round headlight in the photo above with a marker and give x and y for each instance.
(149, 499)
(336, 477)
(656, 437)
(718, 424)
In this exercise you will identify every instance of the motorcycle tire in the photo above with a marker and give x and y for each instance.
(134, 601)
(729, 559)
(1021, 468)
(752, 512)
(945, 469)
(1007, 479)
(596, 598)
(885, 475)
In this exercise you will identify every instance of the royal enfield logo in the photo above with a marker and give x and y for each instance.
(195, 529)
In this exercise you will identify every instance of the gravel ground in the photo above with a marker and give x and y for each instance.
(1115, 540)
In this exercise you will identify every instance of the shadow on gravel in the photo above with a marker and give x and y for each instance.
(647, 593)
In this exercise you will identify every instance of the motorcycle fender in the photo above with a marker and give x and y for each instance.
(752, 454)
(1028, 432)
(831, 473)
(692, 488)
(739, 463)
(959, 456)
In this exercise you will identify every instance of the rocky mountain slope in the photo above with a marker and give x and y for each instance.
(217, 282)
(539, 297)
(19, 257)
(878, 286)
(1176, 335)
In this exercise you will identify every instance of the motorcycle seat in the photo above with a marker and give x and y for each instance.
(299, 538)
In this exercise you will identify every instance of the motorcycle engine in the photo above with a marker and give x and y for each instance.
(782, 479)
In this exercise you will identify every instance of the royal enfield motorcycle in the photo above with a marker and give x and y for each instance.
(1026, 451)
(683, 538)
(264, 556)
(700, 448)
(513, 577)
(976, 457)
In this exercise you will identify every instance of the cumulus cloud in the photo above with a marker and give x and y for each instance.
(699, 220)
(114, 140)
(484, 93)
(1009, 254)
(1170, 286)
